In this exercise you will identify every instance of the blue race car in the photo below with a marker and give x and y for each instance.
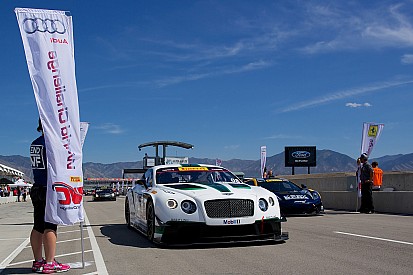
(293, 199)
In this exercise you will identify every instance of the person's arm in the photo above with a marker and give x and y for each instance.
(371, 175)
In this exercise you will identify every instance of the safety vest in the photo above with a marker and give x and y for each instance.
(377, 176)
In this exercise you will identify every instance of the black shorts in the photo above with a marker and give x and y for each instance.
(38, 196)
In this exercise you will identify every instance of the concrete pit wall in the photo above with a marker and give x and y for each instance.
(338, 191)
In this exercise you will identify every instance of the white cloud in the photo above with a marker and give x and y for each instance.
(396, 31)
(282, 136)
(343, 94)
(252, 66)
(407, 59)
(357, 105)
(385, 26)
(110, 128)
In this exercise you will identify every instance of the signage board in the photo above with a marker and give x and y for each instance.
(300, 156)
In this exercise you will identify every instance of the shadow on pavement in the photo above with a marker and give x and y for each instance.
(18, 224)
(17, 270)
(119, 234)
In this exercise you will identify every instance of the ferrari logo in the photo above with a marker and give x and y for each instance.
(373, 129)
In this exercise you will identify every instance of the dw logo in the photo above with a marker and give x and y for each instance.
(72, 194)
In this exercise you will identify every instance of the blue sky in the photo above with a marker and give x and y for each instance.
(225, 76)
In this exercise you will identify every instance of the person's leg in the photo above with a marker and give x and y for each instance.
(364, 194)
(49, 242)
(368, 197)
(36, 235)
(371, 205)
(36, 241)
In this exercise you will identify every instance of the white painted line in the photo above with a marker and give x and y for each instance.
(97, 254)
(13, 255)
(93, 273)
(64, 241)
(374, 238)
(79, 265)
(12, 239)
(71, 231)
(72, 240)
(57, 256)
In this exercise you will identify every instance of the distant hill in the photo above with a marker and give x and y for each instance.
(327, 162)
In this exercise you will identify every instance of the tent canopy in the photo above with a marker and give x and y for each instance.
(20, 185)
(5, 181)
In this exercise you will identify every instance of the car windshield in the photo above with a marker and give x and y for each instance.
(203, 175)
(280, 186)
(104, 191)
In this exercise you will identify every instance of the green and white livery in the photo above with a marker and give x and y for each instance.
(196, 203)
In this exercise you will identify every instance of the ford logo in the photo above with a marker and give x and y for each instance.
(300, 154)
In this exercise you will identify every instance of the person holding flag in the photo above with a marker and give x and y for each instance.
(43, 233)
(370, 135)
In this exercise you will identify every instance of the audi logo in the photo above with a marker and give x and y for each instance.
(301, 154)
(32, 25)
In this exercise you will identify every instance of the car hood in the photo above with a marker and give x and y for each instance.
(216, 190)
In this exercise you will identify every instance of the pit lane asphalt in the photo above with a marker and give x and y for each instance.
(337, 243)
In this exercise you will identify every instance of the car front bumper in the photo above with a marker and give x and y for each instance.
(185, 233)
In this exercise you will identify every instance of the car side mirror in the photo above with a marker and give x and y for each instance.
(303, 186)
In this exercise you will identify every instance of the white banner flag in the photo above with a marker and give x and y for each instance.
(371, 134)
(48, 44)
(263, 159)
(84, 127)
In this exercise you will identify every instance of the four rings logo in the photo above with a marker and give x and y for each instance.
(300, 154)
(32, 25)
(71, 194)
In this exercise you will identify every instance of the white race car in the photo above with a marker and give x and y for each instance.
(195, 203)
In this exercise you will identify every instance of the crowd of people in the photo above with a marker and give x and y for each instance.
(20, 192)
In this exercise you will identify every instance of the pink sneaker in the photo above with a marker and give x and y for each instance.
(54, 267)
(38, 266)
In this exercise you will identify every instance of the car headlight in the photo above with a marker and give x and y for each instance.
(316, 195)
(271, 201)
(263, 204)
(189, 207)
(171, 203)
(97, 196)
(112, 195)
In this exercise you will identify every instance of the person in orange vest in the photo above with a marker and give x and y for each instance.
(377, 176)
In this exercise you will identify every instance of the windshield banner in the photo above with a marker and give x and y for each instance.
(48, 44)
(371, 134)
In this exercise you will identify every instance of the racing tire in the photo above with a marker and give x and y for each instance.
(150, 221)
(127, 214)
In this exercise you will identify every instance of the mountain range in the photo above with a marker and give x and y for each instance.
(328, 161)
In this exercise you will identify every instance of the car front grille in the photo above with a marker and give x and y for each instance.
(229, 208)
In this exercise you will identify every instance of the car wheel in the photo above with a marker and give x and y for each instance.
(150, 221)
(127, 214)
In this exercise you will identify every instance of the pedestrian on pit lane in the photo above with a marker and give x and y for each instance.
(366, 177)
(43, 234)
(24, 194)
(19, 193)
(377, 176)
